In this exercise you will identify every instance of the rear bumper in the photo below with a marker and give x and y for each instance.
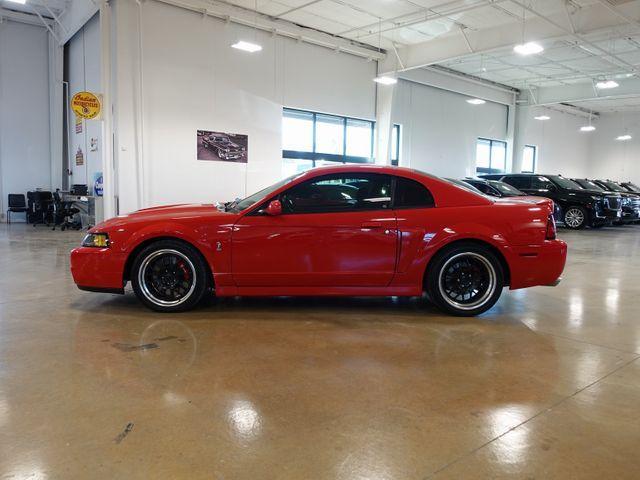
(98, 269)
(538, 264)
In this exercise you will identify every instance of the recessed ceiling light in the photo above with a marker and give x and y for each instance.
(21, 2)
(542, 117)
(587, 128)
(606, 84)
(622, 138)
(476, 101)
(385, 80)
(247, 46)
(529, 48)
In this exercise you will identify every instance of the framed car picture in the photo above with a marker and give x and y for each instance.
(224, 147)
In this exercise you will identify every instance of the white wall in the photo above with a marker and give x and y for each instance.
(440, 129)
(191, 79)
(561, 147)
(84, 75)
(24, 110)
(609, 158)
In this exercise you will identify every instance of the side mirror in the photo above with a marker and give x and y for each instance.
(274, 208)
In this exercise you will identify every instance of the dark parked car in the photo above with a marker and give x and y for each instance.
(224, 148)
(630, 201)
(496, 188)
(631, 187)
(579, 207)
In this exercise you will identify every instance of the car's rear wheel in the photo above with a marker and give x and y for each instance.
(465, 279)
(575, 218)
(169, 276)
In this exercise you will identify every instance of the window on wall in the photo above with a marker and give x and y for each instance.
(311, 139)
(529, 155)
(395, 145)
(491, 156)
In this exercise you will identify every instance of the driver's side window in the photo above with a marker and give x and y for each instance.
(339, 193)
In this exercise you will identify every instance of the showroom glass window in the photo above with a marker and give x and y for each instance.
(491, 156)
(529, 154)
(395, 145)
(311, 139)
(344, 192)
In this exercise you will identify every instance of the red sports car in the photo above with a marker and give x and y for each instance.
(347, 230)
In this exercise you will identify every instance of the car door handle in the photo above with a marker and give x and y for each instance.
(369, 225)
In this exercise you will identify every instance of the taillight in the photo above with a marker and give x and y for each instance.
(551, 228)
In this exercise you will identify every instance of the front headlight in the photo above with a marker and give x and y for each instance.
(96, 240)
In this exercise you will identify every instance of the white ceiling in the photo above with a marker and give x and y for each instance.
(584, 40)
(577, 51)
(46, 8)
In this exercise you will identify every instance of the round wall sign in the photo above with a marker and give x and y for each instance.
(86, 105)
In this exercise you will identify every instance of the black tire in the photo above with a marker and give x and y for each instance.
(169, 276)
(575, 217)
(470, 260)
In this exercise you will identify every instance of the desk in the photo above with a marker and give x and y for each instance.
(90, 207)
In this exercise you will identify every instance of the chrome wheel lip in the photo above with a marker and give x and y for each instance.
(574, 217)
(486, 296)
(145, 288)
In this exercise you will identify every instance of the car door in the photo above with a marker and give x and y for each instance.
(335, 230)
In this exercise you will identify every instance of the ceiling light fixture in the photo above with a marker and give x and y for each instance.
(385, 80)
(623, 138)
(21, 2)
(607, 84)
(251, 47)
(247, 46)
(527, 48)
(476, 101)
(543, 117)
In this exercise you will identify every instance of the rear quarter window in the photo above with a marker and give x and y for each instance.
(411, 194)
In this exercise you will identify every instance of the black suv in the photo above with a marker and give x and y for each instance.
(631, 187)
(630, 201)
(579, 207)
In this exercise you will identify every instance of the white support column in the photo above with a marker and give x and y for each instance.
(513, 160)
(108, 174)
(384, 105)
(56, 100)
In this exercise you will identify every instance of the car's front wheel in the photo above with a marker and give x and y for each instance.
(575, 218)
(169, 276)
(465, 279)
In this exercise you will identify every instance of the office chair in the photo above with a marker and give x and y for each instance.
(63, 211)
(17, 204)
(41, 207)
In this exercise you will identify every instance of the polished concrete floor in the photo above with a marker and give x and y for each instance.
(546, 385)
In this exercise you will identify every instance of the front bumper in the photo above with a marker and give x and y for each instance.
(98, 269)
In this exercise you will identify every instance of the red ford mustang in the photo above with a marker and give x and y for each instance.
(348, 230)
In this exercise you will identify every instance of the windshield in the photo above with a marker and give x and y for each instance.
(566, 183)
(506, 189)
(240, 205)
(633, 187)
(589, 185)
(614, 187)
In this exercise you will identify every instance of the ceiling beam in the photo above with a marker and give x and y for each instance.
(250, 18)
(579, 92)
(27, 18)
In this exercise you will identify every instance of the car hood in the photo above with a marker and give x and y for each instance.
(167, 212)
